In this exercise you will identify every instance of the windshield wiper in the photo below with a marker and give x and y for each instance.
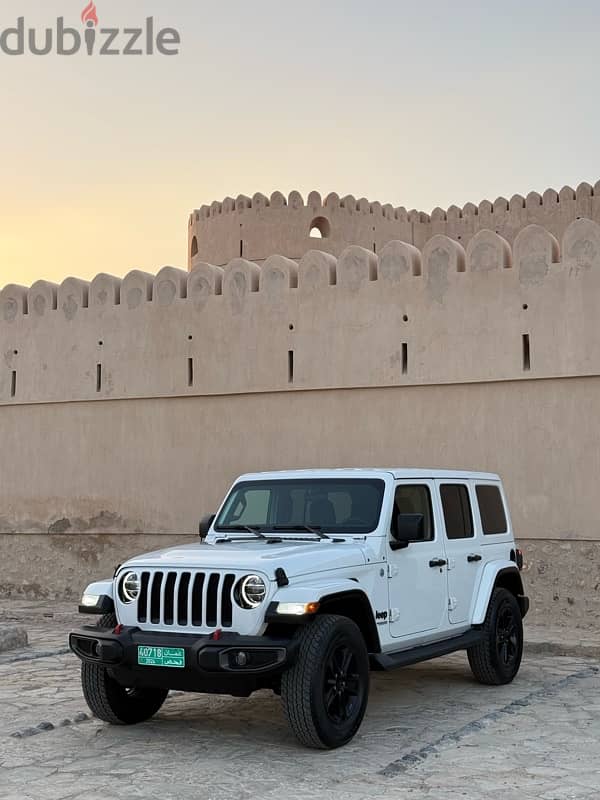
(316, 529)
(251, 529)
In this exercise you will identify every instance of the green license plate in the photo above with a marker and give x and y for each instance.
(161, 656)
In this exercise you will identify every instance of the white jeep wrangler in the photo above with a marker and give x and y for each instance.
(303, 582)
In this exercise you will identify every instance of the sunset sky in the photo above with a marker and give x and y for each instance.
(402, 102)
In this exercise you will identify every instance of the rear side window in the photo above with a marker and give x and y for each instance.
(457, 510)
(491, 509)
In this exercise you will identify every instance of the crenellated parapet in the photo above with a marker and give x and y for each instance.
(255, 227)
(442, 313)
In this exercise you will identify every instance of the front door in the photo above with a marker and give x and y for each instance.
(417, 574)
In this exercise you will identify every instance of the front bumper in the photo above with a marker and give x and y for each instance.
(210, 665)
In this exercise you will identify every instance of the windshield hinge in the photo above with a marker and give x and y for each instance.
(281, 577)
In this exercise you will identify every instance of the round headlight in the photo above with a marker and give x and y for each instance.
(250, 591)
(130, 587)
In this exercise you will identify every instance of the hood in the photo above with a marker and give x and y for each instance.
(297, 558)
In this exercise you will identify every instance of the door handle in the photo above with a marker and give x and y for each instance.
(473, 557)
(438, 562)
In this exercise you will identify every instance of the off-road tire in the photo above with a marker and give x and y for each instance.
(111, 702)
(325, 711)
(496, 659)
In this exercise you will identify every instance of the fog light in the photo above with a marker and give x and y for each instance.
(241, 659)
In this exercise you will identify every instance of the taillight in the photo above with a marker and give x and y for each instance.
(519, 559)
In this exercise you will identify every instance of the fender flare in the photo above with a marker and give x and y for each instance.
(316, 591)
(332, 592)
(491, 572)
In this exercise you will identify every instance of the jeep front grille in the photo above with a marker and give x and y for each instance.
(198, 599)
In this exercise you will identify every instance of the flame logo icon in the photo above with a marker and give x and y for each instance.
(90, 14)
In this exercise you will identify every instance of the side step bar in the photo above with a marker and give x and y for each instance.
(405, 658)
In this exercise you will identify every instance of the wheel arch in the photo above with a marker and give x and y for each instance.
(504, 575)
(355, 605)
(344, 598)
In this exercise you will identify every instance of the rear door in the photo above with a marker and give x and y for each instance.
(463, 547)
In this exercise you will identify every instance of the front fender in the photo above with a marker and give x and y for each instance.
(297, 596)
(315, 591)
(491, 571)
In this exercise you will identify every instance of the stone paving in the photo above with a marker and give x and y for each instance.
(430, 732)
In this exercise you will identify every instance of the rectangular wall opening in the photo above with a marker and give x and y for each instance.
(98, 377)
(241, 248)
(290, 366)
(190, 370)
(404, 358)
(526, 353)
(13, 383)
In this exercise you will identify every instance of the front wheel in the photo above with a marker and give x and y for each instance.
(496, 659)
(325, 693)
(111, 702)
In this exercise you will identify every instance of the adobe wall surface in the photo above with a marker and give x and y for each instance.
(128, 406)
(88, 484)
(257, 227)
(402, 318)
(559, 576)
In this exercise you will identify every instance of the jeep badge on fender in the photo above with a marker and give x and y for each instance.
(301, 583)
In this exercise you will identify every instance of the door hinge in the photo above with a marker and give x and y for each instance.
(394, 614)
(451, 563)
(393, 570)
(452, 603)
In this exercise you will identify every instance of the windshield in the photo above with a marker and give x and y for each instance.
(342, 505)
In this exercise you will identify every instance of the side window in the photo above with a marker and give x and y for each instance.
(415, 500)
(491, 509)
(457, 510)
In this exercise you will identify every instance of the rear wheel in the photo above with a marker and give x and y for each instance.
(111, 702)
(325, 693)
(497, 658)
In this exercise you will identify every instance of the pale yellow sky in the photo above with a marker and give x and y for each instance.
(104, 157)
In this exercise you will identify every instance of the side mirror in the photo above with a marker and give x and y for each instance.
(204, 526)
(407, 528)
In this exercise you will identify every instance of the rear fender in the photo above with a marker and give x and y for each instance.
(492, 572)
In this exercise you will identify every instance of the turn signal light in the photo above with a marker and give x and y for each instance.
(297, 609)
